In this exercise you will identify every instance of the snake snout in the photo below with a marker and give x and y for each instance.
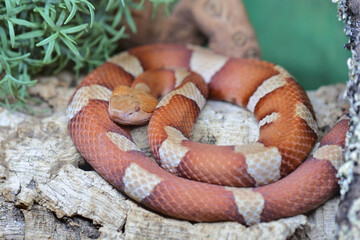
(129, 106)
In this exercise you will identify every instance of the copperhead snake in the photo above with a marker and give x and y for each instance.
(288, 132)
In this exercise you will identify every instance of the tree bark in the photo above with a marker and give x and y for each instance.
(348, 218)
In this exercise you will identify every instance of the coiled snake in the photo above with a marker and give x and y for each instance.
(288, 132)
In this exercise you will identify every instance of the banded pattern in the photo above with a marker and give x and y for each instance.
(287, 134)
(281, 152)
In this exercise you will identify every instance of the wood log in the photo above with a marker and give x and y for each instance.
(223, 25)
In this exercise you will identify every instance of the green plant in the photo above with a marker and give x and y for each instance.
(49, 35)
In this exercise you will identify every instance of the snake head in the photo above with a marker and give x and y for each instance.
(129, 106)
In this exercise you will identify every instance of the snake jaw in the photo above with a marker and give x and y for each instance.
(130, 106)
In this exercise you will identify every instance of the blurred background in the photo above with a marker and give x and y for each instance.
(303, 36)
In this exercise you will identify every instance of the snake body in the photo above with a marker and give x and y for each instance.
(288, 132)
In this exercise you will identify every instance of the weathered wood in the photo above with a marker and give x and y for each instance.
(348, 218)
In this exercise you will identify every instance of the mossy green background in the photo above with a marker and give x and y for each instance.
(304, 36)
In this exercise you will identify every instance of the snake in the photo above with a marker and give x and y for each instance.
(280, 175)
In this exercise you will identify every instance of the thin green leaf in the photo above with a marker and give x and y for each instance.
(10, 86)
(11, 33)
(12, 53)
(110, 30)
(57, 49)
(22, 93)
(49, 51)
(23, 22)
(130, 19)
(17, 10)
(91, 10)
(72, 13)
(95, 41)
(74, 29)
(19, 58)
(92, 17)
(47, 19)
(27, 83)
(64, 35)
(154, 10)
(30, 35)
(117, 19)
(88, 4)
(7, 103)
(50, 10)
(68, 5)
(4, 41)
(4, 64)
(48, 39)
(61, 18)
(118, 35)
(109, 5)
(62, 5)
(34, 62)
(79, 35)
(8, 7)
(71, 46)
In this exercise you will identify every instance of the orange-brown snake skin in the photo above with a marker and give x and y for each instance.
(288, 132)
